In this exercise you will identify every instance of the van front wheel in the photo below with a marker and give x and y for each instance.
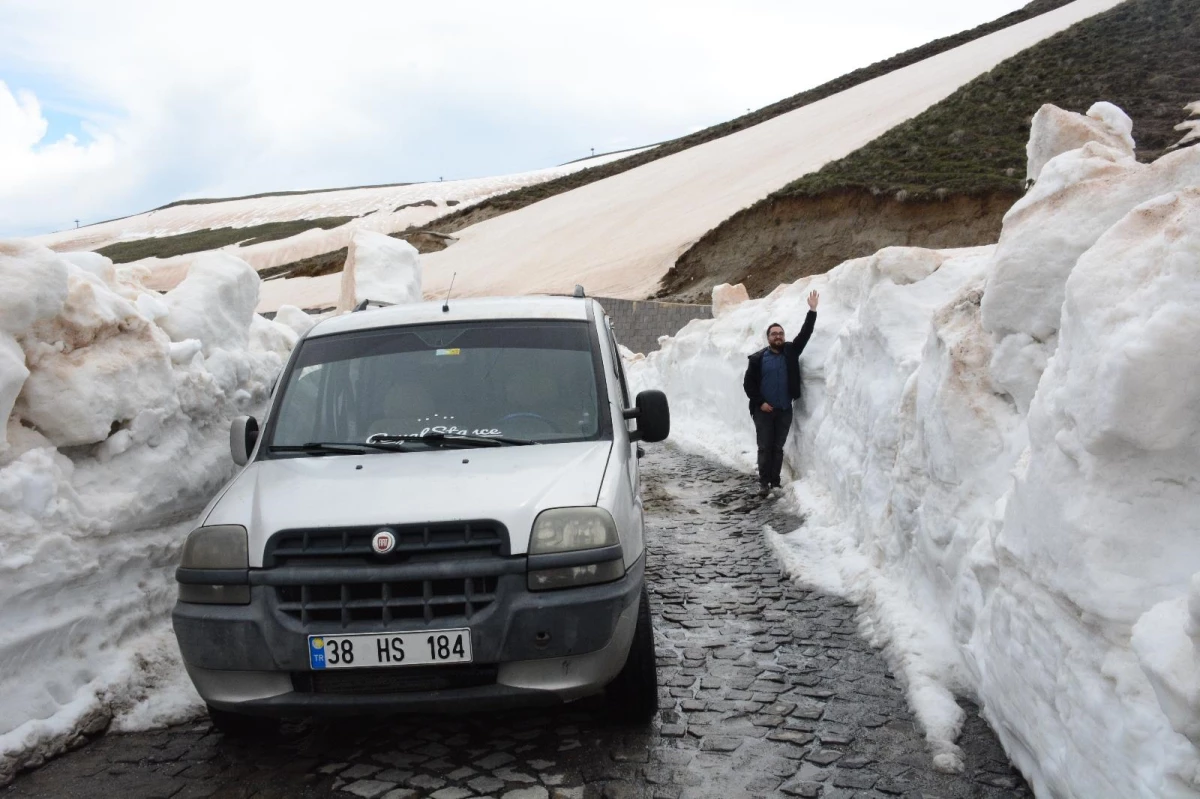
(633, 695)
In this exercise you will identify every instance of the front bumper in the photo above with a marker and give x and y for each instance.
(545, 647)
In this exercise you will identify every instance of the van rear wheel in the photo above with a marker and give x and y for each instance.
(238, 725)
(633, 695)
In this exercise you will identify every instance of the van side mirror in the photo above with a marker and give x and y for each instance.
(243, 435)
(653, 416)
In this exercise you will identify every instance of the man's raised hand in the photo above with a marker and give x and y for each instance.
(813, 298)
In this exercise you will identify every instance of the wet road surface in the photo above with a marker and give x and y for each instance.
(766, 691)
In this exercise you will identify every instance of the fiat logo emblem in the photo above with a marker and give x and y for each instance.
(383, 542)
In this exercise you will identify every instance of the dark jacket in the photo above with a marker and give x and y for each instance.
(752, 382)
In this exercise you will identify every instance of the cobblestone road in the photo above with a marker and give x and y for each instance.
(767, 691)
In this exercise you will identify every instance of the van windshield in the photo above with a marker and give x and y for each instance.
(534, 381)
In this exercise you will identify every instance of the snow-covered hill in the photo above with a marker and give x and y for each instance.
(384, 209)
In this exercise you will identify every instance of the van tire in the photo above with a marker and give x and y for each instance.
(238, 725)
(633, 695)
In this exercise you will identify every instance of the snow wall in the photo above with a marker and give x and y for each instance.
(118, 402)
(997, 458)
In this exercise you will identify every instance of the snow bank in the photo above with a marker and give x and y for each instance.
(726, 296)
(1079, 195)
(999, 449)
(382, 268)
(1055, 131)
(117, 403)
(1191, 126)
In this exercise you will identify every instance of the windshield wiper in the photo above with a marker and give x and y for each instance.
(452, 439)
(339, 448)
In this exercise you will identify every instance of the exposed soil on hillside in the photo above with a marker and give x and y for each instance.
(786, 238)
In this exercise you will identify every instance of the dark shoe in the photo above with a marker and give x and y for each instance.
(763, 489)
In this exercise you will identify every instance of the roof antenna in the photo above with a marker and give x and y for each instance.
(446, 303)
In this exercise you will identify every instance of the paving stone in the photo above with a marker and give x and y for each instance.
(791, 736)
(494, 761)
(823, 757)
(369, 789)
(512, 775)
(889, 786)
(855, 761)
(860, 780)
(565, 793)
(536, 792)
(802, 788)
(427, 782)
(485, 784)
(451, 793)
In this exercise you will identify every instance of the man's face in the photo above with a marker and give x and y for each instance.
(775, 337)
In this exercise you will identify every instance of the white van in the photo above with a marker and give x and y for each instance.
(440, 512)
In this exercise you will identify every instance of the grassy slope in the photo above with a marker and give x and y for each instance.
(520, 198)
(1139, 55)
(212, 238)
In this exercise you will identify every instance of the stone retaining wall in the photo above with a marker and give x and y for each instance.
(639, 323)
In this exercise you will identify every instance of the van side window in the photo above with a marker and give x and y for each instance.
(618, 366)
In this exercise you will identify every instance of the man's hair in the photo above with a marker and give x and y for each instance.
(773, 324)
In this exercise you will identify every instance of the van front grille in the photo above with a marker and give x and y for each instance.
(419, 600)
(435, 572)
(345, 546)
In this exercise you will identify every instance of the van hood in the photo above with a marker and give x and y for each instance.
(509, 484)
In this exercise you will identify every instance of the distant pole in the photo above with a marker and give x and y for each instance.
(76, 223)
(593, 151)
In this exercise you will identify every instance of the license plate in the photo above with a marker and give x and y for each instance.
(390, 649)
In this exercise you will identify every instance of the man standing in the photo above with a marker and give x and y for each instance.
(772, 381)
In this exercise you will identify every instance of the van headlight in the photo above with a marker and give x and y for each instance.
(571, 529)
(571, 547)
(215, 566)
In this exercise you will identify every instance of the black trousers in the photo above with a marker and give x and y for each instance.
(772, 429)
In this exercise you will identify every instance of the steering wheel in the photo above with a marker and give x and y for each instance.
(536, 417)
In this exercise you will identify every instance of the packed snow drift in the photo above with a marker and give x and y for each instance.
(118, 402)
(997, 457)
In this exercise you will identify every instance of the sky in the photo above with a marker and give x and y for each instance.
(109, 109)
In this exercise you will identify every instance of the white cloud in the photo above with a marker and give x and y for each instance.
(228, 97)
(32, 169)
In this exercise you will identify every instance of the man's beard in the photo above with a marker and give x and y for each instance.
(774, 348)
